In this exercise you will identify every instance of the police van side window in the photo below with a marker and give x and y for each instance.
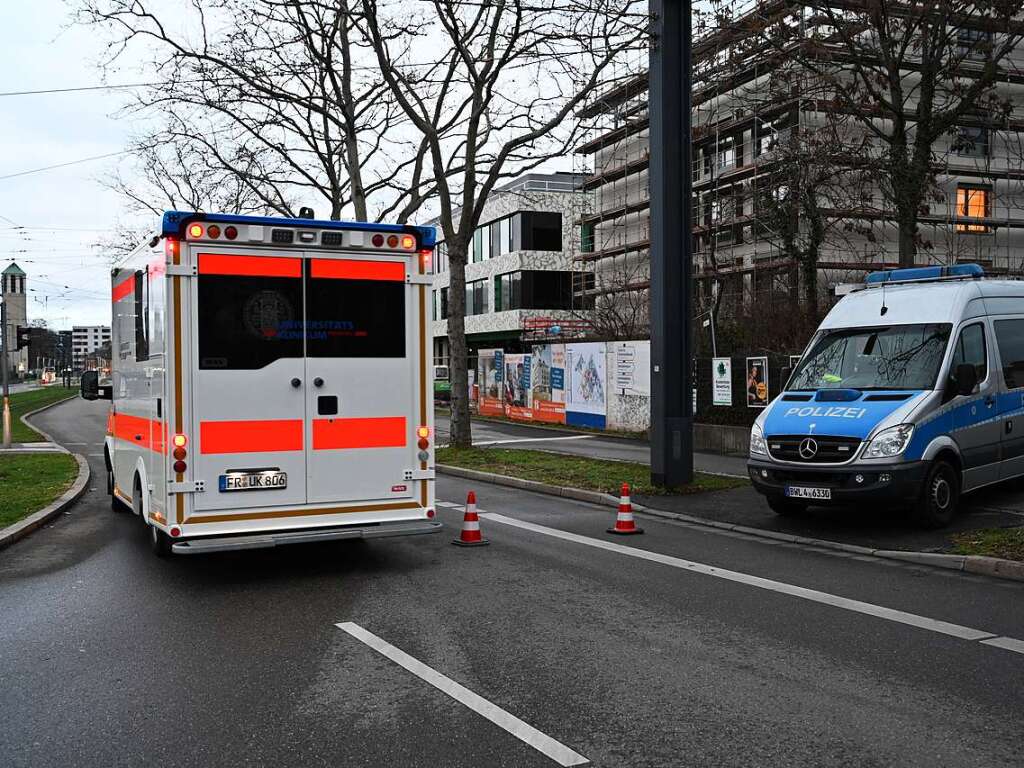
(970, 348)
(1010, 338)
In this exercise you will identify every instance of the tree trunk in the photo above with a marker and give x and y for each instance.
(461, 426)
(907, 239)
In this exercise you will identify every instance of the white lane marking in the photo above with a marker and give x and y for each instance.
(1008, 643)
(526, 733)
(534, 440)
(881, 612)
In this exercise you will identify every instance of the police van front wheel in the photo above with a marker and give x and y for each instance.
(939, 496)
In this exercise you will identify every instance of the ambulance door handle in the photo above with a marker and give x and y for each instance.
(318, 382)
(296, 383)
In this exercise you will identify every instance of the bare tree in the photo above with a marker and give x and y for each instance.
(908, 73)
(264, 103)
(490, 88)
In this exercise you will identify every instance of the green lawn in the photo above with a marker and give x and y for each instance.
(28, 482)
(574, 471)
(23, 402)
(1007, 543)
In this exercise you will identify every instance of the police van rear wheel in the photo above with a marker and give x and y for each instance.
(786, 507)
(939, 497)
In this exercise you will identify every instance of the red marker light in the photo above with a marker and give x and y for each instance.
(230, 233)
(213, 230)
(175, 531)
(378, 241)
(179, 453)
(430, 513)
(392, 241)
(423, 443)
(172, 248)
(195, 230)
(180, 467)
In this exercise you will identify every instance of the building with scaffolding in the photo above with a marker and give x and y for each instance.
(521, 278)
(764, 130)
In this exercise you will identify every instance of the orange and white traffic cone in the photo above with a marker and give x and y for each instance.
(624, 523)
(470, 536)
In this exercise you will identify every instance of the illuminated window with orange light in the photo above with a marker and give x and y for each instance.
(975, 203)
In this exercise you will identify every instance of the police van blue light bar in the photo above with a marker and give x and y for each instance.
(173, 221)
(924, 273)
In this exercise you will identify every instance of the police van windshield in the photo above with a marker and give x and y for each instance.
(896, 357)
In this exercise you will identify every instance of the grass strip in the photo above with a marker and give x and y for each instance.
(30, 400)
(1007, 543)
(29, 482)
(576, 471)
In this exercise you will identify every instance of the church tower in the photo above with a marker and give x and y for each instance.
(12, 286)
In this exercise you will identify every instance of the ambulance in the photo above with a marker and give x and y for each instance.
(910, 394)
(271, 382)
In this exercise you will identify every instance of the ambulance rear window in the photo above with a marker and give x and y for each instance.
(355, 318)
(247, 323)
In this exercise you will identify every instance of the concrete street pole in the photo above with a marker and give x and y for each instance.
(5, 366)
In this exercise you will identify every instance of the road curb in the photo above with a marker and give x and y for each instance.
(24, 527)
(41, 431)
(987, 566)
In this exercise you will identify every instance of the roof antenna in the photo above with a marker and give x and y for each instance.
(884, 308)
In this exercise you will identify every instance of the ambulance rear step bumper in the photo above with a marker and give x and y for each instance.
(279, 539)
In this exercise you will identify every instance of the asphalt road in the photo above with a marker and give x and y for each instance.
(684, 648)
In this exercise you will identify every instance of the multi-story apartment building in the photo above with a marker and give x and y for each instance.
(520, 272)
(85, 340)
(758, 117)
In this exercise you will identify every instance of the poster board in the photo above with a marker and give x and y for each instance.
(586, 400)
(757, 382)
(721, 381)
(516, 387)
(492, 371)
(547, 383)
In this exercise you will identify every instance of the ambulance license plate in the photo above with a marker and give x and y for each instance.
(796, 492)
(254, 480)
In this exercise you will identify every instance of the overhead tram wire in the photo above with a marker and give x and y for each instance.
(65, 165)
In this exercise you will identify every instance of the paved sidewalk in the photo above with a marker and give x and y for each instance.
(44, 447)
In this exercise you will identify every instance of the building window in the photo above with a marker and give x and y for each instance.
(973, 44)
(476, 297)
(587, 238)
(971, 142)
(541, 231)
(973, 202)
(444, 303)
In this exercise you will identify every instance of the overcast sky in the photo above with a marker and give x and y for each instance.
(63, 210)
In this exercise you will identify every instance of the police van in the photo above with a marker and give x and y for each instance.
(910, 394)
(271, 382)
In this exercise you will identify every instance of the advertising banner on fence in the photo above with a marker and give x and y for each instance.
(547, 380)
(757, 382)
(585, 368)
(517, 387)
(721, 381)
(491, 363)
(632, 367)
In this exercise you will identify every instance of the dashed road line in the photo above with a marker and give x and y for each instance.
(857, 606)
(526, 733)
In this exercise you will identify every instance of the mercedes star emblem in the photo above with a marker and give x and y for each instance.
(808, 448)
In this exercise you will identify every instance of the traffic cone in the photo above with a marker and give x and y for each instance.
(624, 524)
(470, 536)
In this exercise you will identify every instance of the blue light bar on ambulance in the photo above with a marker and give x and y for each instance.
(174, 221)
(924, 273)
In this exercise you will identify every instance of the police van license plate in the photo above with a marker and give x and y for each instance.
(254, 480)
(796, 492)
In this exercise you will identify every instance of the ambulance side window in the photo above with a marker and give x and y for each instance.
(1010, 338)
(141, 315)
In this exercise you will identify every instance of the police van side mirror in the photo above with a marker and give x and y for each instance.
(965, 379)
